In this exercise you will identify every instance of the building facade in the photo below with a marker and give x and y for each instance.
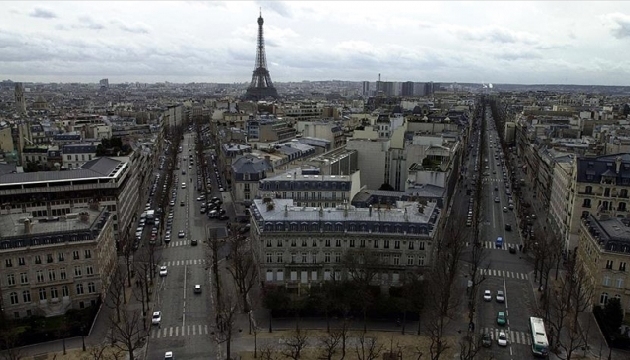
(604, 252)
(299, 247)
(53, 264)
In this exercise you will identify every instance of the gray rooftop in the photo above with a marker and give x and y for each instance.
(613, 233)
(79, 148)
(97, 168)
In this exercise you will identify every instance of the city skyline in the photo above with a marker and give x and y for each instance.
(470, 42)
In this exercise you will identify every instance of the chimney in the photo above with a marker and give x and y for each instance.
(618, 164)
(27, 226)
(370, 207)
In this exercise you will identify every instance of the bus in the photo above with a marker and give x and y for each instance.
(540, 345)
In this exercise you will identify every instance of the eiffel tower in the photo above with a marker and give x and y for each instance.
(261, 86)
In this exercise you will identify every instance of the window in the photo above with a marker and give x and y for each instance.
(586, 203)
(21, 261)
(411, 245)
(24, 278)
(588, 190)
(362, 243)
(54, 293)
(279, 257)
(327, 257)
(11, 279)
(609, 264)
(62, 274)
(77, 271)
(293, 258)
(268, 243)
(269, 258)
(91, 288)
(40, 276)
(376, 244)
(8, 263)
(314, 258)
(338, 243)
(327, 243)
(60, 257)
(279, 244)
(42, 294)
(620, 283)
(49, 258)
(75, 255)
(304, 243)
(89, 270)
(603, 299)
(304, 259)
(26, 296)
(385, 244)
(421, 260)
(79, 289)
(396, 259)
(622, 266)
(606, 281)
(51, 275)
(337, 257)
(409, 260)
(397, 244)
(352, 243)
(293, 242)
(64, 291)
(421, 245)
(14, 298)
(88, 254)
(38, 259)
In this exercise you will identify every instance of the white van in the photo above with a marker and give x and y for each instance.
(183, 185)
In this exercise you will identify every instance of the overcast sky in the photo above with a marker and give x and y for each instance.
(497, 42)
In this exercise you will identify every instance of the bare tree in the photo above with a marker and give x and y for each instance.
(269, 352)
(363, 266)
(469, 346)
(329, 344)
(444, 300)
(577, 292)
(118, 294)
(368, 348)
(128, 335)
(10, 344)
(213, 258)
(295, 344)
(242, 266)
(103, 352)
(225, 327)
(343, 332)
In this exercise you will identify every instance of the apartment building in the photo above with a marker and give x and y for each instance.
(604, 252)
(52, 264)
(299, 247)
(267, 130)
(76, 155)
(560, 200)
(600, 185)
(246, 172)
(308, 188)
(104, 180)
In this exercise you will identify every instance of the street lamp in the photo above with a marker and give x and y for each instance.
(83, 336)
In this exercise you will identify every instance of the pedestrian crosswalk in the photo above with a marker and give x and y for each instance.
(184, 262)
(504, 273)
(173, 331)
(492, 245)
(179, 243)
(513, 337)
(492, 180)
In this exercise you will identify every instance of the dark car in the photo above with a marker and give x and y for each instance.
(486, 340)
(512, 249)
(223, 217)
(508, 227)
(193, 242)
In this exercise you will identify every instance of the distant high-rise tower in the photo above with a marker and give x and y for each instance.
(104, 84)
(261, 86)
(20, 102)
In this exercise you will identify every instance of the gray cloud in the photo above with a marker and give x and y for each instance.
(278, 7)
(137, 28)
(495, 35)
(42, 13)
(86, 22)
(620, 25)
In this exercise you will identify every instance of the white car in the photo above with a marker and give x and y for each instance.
(163, 271)
(502, 339)
(197, 289)
(157, 318)
(168, 355)
(487, 295)
(500, 296)
(181, 234)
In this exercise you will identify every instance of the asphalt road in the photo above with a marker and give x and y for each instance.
(187, 318)
(502, 270)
